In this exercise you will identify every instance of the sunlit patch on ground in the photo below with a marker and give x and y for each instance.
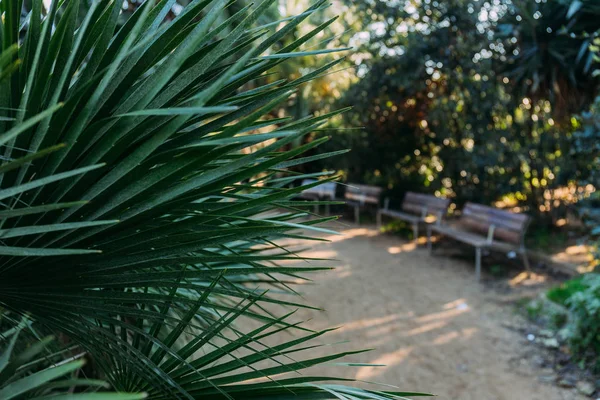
(370, 323)
(346, 234)
(527, 279)
(388, 359)
(428, 320)
(399, 249)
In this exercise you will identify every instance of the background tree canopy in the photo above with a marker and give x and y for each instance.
(469, 99)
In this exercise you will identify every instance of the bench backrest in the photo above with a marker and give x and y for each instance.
(417, 203)
(326, 189)
(507, 226)
(363, 194)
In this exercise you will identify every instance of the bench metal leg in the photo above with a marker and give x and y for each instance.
(478, 263)
(526, 261)
(416, 232)
(327, 210)
(379, 222)
(357, 215)
(429, 244)
(316, 209)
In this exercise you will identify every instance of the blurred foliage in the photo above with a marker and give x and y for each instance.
(548, 54)
(318, 95)
(583, 328)
(586, 142)
(560, 294)
(445, 93)
(546, 240)
(586, 145)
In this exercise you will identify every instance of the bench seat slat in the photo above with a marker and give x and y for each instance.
(362, 194)
(402, 215)
(489, 215)
(474, 239)
(505, 223)
(418, 200)
(461, 235)
(362, 198)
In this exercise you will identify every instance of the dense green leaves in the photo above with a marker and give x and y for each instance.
(550, 57)
(450, 102)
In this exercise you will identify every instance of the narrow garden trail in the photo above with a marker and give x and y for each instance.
(434, 327)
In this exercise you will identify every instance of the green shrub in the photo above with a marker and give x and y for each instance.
(545, 312)
(583, 329)
(533, 310)
(560, 294)
(498, 270)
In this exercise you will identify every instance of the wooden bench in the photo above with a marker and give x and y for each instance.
(486, 227)
(324, 191)
(361, 196)
(416, 209)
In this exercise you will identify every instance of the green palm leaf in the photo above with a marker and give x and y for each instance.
(37, 373)
(143, 192)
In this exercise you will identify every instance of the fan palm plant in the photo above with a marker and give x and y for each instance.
(29, 369)
(142, 192)
(549, 51)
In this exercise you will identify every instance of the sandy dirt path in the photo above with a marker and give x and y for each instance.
(436, 329)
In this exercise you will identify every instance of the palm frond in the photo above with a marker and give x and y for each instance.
(143, 193)
(36, 372)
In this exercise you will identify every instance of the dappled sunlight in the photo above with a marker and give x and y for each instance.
(456, 303)
(435, 329)
(467, 333)
(577, 250)
(399, 249)
(561, 222)
(420, 319)
(444, 315)
(446, 338)
(583, 269)
(412, 245)
(422, 240)
(326, 254)
(527, 279)
(426, 328)
(414, 334)
(372, 322)
(578, 255)
(430, 219)
(389, 360)
(352, 233)
(325, 258)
